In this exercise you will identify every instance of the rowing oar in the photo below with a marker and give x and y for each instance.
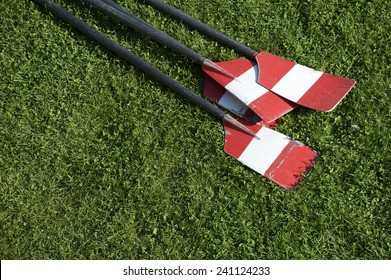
(297, 83)
(264, 150)
(261, 101)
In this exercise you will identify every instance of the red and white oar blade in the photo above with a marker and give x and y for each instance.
(245, 87)
(216, 93)
(274, 155)
(300, 84)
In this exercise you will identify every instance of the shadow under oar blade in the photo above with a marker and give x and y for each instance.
(300, 84)
(274, 155)
(245, 88)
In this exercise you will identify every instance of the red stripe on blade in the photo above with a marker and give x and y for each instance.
(271, 106)
(272, 69)
(236, 67)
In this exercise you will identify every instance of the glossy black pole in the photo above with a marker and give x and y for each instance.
(131, 58)
(116, 11)
(202, 27)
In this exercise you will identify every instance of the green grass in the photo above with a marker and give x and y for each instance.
(98, 161)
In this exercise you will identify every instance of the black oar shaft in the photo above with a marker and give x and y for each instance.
(131, 58)
(116, 11)
(112, 9)
(202, 27)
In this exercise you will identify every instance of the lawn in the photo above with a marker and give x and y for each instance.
(99, 161)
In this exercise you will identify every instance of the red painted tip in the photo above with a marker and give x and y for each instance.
(289, 168)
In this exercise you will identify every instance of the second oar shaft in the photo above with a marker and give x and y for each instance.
(202, 27)
(112, 9)
(126, 17)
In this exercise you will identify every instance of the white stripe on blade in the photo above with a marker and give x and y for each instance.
(245, 87)
(260, 154)
(296, 82)
(231, 103)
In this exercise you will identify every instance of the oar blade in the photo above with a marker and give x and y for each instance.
(301, 84)
(273, 155)
(218, 94)
(245, 87)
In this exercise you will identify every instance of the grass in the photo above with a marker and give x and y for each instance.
(98, 161)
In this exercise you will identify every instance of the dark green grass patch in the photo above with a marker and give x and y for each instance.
(98, 161)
